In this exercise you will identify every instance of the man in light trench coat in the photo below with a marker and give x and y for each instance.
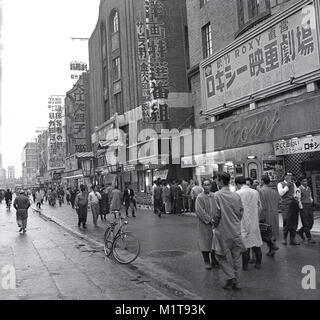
(205, 208)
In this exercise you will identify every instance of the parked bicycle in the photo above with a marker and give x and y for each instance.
(123, 245)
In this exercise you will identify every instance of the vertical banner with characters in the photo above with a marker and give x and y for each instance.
(57, 139)
(154, 70)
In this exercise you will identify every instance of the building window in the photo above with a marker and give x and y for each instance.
(116, 69)
(103, 41)
(117, 99)
(207, 40)
(251, 12)
(115, 21)
(203, 2)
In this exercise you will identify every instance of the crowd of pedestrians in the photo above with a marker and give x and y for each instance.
(232, 224)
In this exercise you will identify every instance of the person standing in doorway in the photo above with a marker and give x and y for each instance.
(94, 198)
(250, 230)
(306, 211)
(22, 204)
(227, 241)
(81, 205)
(289, 208)
(270, 205)
(205, 210)
(128, 200)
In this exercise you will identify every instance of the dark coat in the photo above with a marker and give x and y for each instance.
(127, 198)
(21, 204)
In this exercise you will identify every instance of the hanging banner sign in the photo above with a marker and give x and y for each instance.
(293, 146)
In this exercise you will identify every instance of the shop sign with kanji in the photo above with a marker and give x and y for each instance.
(287, 49)
(293, 146)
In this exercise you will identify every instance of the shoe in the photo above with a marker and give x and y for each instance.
(235, 285)
(311, 241)
(275, 248)
(258, 266)
(134, 216)
(245, 268)
(20, 229)
(285, 243)
(300, 233)
(228, 285)
(271, 253)
(252, 261)
(79, 224)
(294, 243)
(208, 266)
(84, 226)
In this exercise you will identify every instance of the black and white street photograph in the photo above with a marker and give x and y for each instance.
(159, 154)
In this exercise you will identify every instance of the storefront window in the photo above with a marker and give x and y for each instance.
(141, 184)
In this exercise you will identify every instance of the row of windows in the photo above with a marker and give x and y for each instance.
(248, 12)
(116, 100)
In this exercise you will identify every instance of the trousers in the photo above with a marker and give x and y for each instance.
(95, 209)
(307, 219)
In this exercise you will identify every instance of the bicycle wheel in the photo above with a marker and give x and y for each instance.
(126, 248)
(108, 236)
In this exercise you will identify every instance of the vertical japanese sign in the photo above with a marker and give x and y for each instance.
(287, 49)
(56, 133)
(154, 71)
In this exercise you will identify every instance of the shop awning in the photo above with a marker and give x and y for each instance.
(78, 176)
(81, 155)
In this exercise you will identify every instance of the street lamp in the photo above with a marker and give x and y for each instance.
(86, 165)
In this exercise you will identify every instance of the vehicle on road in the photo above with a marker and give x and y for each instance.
(123, 245)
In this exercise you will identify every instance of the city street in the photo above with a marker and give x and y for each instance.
(71, 264)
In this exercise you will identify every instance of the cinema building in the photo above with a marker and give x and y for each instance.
(255, 83)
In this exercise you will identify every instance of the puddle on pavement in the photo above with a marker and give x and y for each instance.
(167, 254)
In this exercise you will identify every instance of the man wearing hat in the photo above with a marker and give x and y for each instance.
(21, 204)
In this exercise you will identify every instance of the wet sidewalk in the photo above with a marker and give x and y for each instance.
(170, 257)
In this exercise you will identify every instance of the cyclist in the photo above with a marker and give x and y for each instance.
(8, 197)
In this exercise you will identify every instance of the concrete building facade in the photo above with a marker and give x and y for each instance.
(138, 56)
(29, 160)
(255, 82)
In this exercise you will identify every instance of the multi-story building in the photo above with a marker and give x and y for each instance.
(255, 83)
(11, 173)
(138, 57)
(78, 135)
(29, 161)
(43, 176)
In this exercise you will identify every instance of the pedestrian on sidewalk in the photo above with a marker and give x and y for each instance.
(68, 195)
(81, 206)
(205, 210)
(306, 211)
(73, 194)
(167, 199)
(191, 204)
(157, 198)
(22, 204)
(184, 188)
(128, 200)
(269, 214)
(250, 230)
(104, 203)
(39, 198)
(289, 208)
(195, 191)
(176, 198)
(115, 201)
(227, 241)
(94, 198)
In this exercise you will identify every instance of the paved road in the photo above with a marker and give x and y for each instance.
(50, 263)
(171, 261)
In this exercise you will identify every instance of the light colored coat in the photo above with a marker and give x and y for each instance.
(205, 209)
(250, 231)
(115, 198)
(270, 206)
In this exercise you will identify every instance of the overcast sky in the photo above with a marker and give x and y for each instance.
(37, 50)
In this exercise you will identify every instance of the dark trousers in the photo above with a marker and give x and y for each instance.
(307, 219)
(157, 206)
(246, 256)
(290, 223)
(176, 206)
(39, 204)
(129, 204)
(206, 258)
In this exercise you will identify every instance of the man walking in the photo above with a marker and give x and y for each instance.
(205, 209)
(250, 230)
(157, 199)
(227, 241)
(39, 198)
(306, 212)
(22, 204)
(128, 200)
(81, 205)
(94, 198)
(270, 205)
(115, 201)
(289, 208)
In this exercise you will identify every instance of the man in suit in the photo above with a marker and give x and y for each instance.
(128, 200)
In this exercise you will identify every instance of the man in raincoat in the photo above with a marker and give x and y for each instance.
(22, 204)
